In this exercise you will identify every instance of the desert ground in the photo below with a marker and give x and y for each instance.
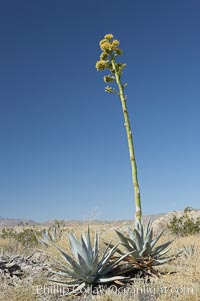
(29, 266)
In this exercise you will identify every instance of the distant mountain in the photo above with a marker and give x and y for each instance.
(12, 222)
(159, 220)
(71, 222)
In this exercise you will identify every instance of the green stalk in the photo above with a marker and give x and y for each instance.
(138, 213)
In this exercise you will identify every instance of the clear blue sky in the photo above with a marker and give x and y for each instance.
(63, 148)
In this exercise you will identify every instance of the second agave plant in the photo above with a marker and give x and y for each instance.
(143, 247)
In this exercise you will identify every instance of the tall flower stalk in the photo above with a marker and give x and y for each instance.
(108, 61)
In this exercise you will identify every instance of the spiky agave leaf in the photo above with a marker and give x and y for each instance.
(157, 251)
(85, 266)
(148, 232)
(155, 240)
(141, 242)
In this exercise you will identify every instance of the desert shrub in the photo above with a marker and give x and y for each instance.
(27, 237)
(185, 224)
(8, 233)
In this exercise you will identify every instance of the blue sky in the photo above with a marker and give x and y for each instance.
(63, 148)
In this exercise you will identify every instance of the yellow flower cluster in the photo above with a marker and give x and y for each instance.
(120, 67)
(101, 65)
(109, 36)
(108, 79)
(106, 47)
(115, 43)
(110, 50)
(118, 51)
(108, 61)
(109, 89)
(103, 56)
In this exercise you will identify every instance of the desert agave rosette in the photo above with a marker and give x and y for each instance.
(144, 251)
(86, 267)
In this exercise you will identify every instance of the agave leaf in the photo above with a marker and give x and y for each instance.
(80, 285)
(132, 247)
(131, 233)
(160, 248)
(107, 256)
(132, 244)
(112, 265)
(129, 244)
(64, 267)
(75, 246)
(42, 241)
(61, 273)
(148, 233)
(162, 253)
(154, 241)
(146, 250)
(125, 241)
(84, 248)
(88, 242)
(109, 279)
(53, 233)
(73, 283)
(108, 246)
(95, 264)
(86, 268)
(67, 284)
(173, 255)
(139, 227)
(46, 236)
(163, 260)
(86, 253)
(139, 241)
(66, 271)
(78, 249)
(122, 237)
(106, 253)
(117, 250)
(104, 261)
(79, 288)
(96, 245)
(148, 228)
(149, 236)
(76, 267)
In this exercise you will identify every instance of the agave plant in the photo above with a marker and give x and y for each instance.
(143, 247)
(86, 267)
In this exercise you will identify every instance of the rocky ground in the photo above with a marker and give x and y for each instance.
(31, 273)
(20, 271)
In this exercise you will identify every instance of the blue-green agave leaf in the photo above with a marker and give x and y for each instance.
(154, 241)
